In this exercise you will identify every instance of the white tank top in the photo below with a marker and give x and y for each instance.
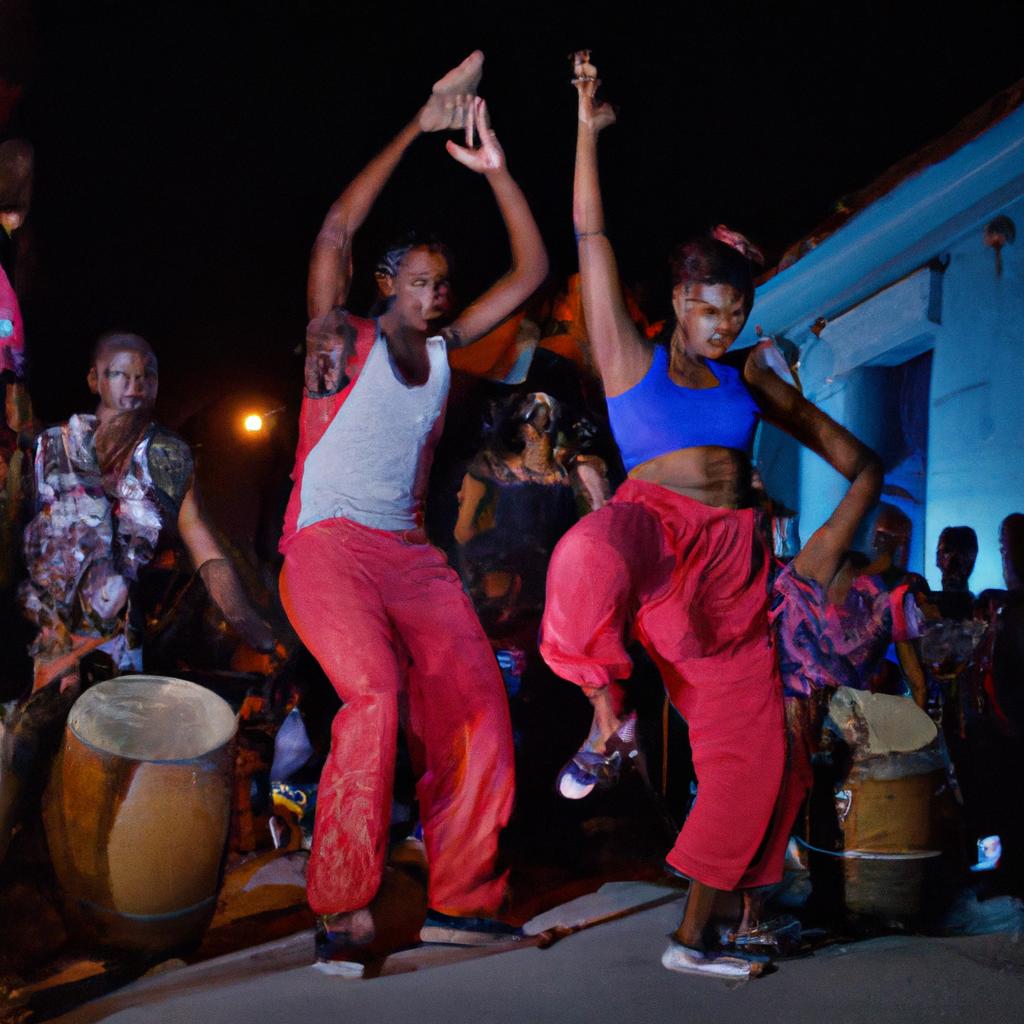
(372, 463)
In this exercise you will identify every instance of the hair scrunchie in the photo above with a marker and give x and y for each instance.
(739, 242)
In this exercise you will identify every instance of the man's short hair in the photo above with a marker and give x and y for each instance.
(121, 341)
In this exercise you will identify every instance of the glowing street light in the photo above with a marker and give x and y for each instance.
(253, 423)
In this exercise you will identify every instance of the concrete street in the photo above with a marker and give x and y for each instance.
(611, 974)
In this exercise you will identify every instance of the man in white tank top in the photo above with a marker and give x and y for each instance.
(376, 604)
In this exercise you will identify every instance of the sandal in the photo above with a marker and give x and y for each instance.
(589, 769)
(779, 937)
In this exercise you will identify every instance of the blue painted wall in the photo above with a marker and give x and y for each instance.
(976, 435)
(972, 472)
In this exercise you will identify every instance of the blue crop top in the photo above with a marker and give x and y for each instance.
(658, 416)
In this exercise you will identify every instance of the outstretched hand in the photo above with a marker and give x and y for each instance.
(595, 113)
(452, 96)
(486, 158)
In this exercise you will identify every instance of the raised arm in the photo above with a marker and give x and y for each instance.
(330, 267)
(785, 407)
(529, 257)
(621, 353)
(821, 556)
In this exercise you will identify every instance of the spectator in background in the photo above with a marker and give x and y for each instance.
(988, 746)
(111, 490)
(955, 556)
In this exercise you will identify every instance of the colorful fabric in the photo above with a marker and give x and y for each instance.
(390, 625)
(12, 331)
(825, 645)
(89, 541)
(658, 416)
(691, 583)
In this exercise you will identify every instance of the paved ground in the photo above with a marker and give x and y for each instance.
(611, 975)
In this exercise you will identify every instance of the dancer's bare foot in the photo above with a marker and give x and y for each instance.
(452, 95)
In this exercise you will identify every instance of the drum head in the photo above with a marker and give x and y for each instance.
(877, 723)
(152, 718)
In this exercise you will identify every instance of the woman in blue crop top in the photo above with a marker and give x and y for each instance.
(677, 558)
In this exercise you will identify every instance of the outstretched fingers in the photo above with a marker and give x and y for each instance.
(488, 140)
(488, 156)
(471, 115)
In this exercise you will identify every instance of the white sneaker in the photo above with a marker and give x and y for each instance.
(692, 961)
(339, 968)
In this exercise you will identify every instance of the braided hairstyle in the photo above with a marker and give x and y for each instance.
(391, 259)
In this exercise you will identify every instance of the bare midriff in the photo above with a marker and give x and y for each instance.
(719, 477)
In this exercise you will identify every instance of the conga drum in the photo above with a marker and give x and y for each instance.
(137, 811)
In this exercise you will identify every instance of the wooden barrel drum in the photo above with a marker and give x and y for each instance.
(878, 832)
(137, 810)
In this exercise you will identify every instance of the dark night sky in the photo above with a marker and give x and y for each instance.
(186, 153)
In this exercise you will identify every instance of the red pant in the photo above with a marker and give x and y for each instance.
(691, 580)
(388, 621)
(803, 728)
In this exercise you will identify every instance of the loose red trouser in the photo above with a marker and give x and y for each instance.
(388, 621)
(803, 727)
(692, 583)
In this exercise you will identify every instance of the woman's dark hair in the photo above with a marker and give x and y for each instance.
(391, 259)
(720, 257)
(706, 260)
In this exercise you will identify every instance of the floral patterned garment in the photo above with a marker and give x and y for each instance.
(825, 645)
(86, 546)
